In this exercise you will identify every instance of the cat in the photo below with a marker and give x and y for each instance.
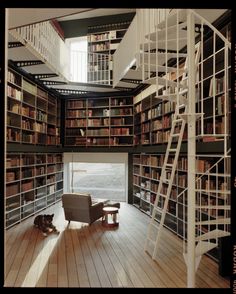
(44, 223)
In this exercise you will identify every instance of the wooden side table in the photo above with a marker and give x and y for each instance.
(111, 221)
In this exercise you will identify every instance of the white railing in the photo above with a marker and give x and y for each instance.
(143, 23)
(44, 42)
(99, 68)
(90, 67)
(78, 66)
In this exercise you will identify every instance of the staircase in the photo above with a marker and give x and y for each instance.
(171, 58)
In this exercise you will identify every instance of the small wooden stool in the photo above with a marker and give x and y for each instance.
(106, 222)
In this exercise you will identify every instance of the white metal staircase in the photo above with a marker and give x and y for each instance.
(163, 52)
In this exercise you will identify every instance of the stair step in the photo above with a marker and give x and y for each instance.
(159, 68)
(172, 18)
(220, 221)
(170, 45)
(171, 32)
(161, 81)
(175, 135)
(160, 60)
(213, 191)
(172, 97)
(221, 207)
(203, 247)
(212, 235)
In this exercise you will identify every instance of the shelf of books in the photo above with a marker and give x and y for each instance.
(31, 112)
(212, 189)
(33, 182)
(99, 122)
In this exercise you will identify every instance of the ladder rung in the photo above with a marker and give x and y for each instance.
(162, 195)
(172, 150)
(175, 135)
(169, 164)
(178, 120)
(159, 209)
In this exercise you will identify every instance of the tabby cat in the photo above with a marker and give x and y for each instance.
(44, 223)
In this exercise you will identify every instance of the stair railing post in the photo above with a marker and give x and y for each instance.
(191, 151)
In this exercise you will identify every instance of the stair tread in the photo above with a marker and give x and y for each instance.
(225, 221)
(161, 59)
(172, 18)
(203, 247)
(226, 207)
(171, 32)
(212, 234)
(162, 81)
(171, 44)
(159, 68)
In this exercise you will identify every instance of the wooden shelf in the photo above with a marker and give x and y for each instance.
(99, 122)
(34, 181)
(33, 111)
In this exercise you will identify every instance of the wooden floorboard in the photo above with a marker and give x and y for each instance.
(96, 256)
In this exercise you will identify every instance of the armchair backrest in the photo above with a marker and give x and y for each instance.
(77, 200)
(78, 207)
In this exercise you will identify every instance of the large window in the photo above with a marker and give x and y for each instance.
(102, 174)
(101, 180)
(78, 59)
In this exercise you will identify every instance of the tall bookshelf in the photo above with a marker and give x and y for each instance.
(31, 112)
(146, 175)
(99, 122)
(102, 43)
(34, 181)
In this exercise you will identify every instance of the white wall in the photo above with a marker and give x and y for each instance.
(96, 158)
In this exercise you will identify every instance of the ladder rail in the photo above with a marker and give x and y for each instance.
(163, 208)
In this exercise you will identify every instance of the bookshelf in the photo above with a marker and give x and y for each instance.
(33, 182)
(99, 122)
(152, 120)
(31, 112)
(212, 190)
(102, 43)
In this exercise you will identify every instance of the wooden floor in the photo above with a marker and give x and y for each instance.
(94, 256)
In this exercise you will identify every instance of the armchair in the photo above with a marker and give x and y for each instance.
(79, 207)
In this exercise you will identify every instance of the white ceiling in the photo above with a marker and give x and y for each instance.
(23, 16)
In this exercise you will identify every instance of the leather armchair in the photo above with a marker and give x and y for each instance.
(79, 207)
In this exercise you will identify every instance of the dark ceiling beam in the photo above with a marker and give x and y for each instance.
(14, 44)
(44, 75)
(131, 81)
(22, 63)
(79, 27)
(49, 83)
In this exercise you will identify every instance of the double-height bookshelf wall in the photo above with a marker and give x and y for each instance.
(99, 121)
(152, 124)
(34, 179)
